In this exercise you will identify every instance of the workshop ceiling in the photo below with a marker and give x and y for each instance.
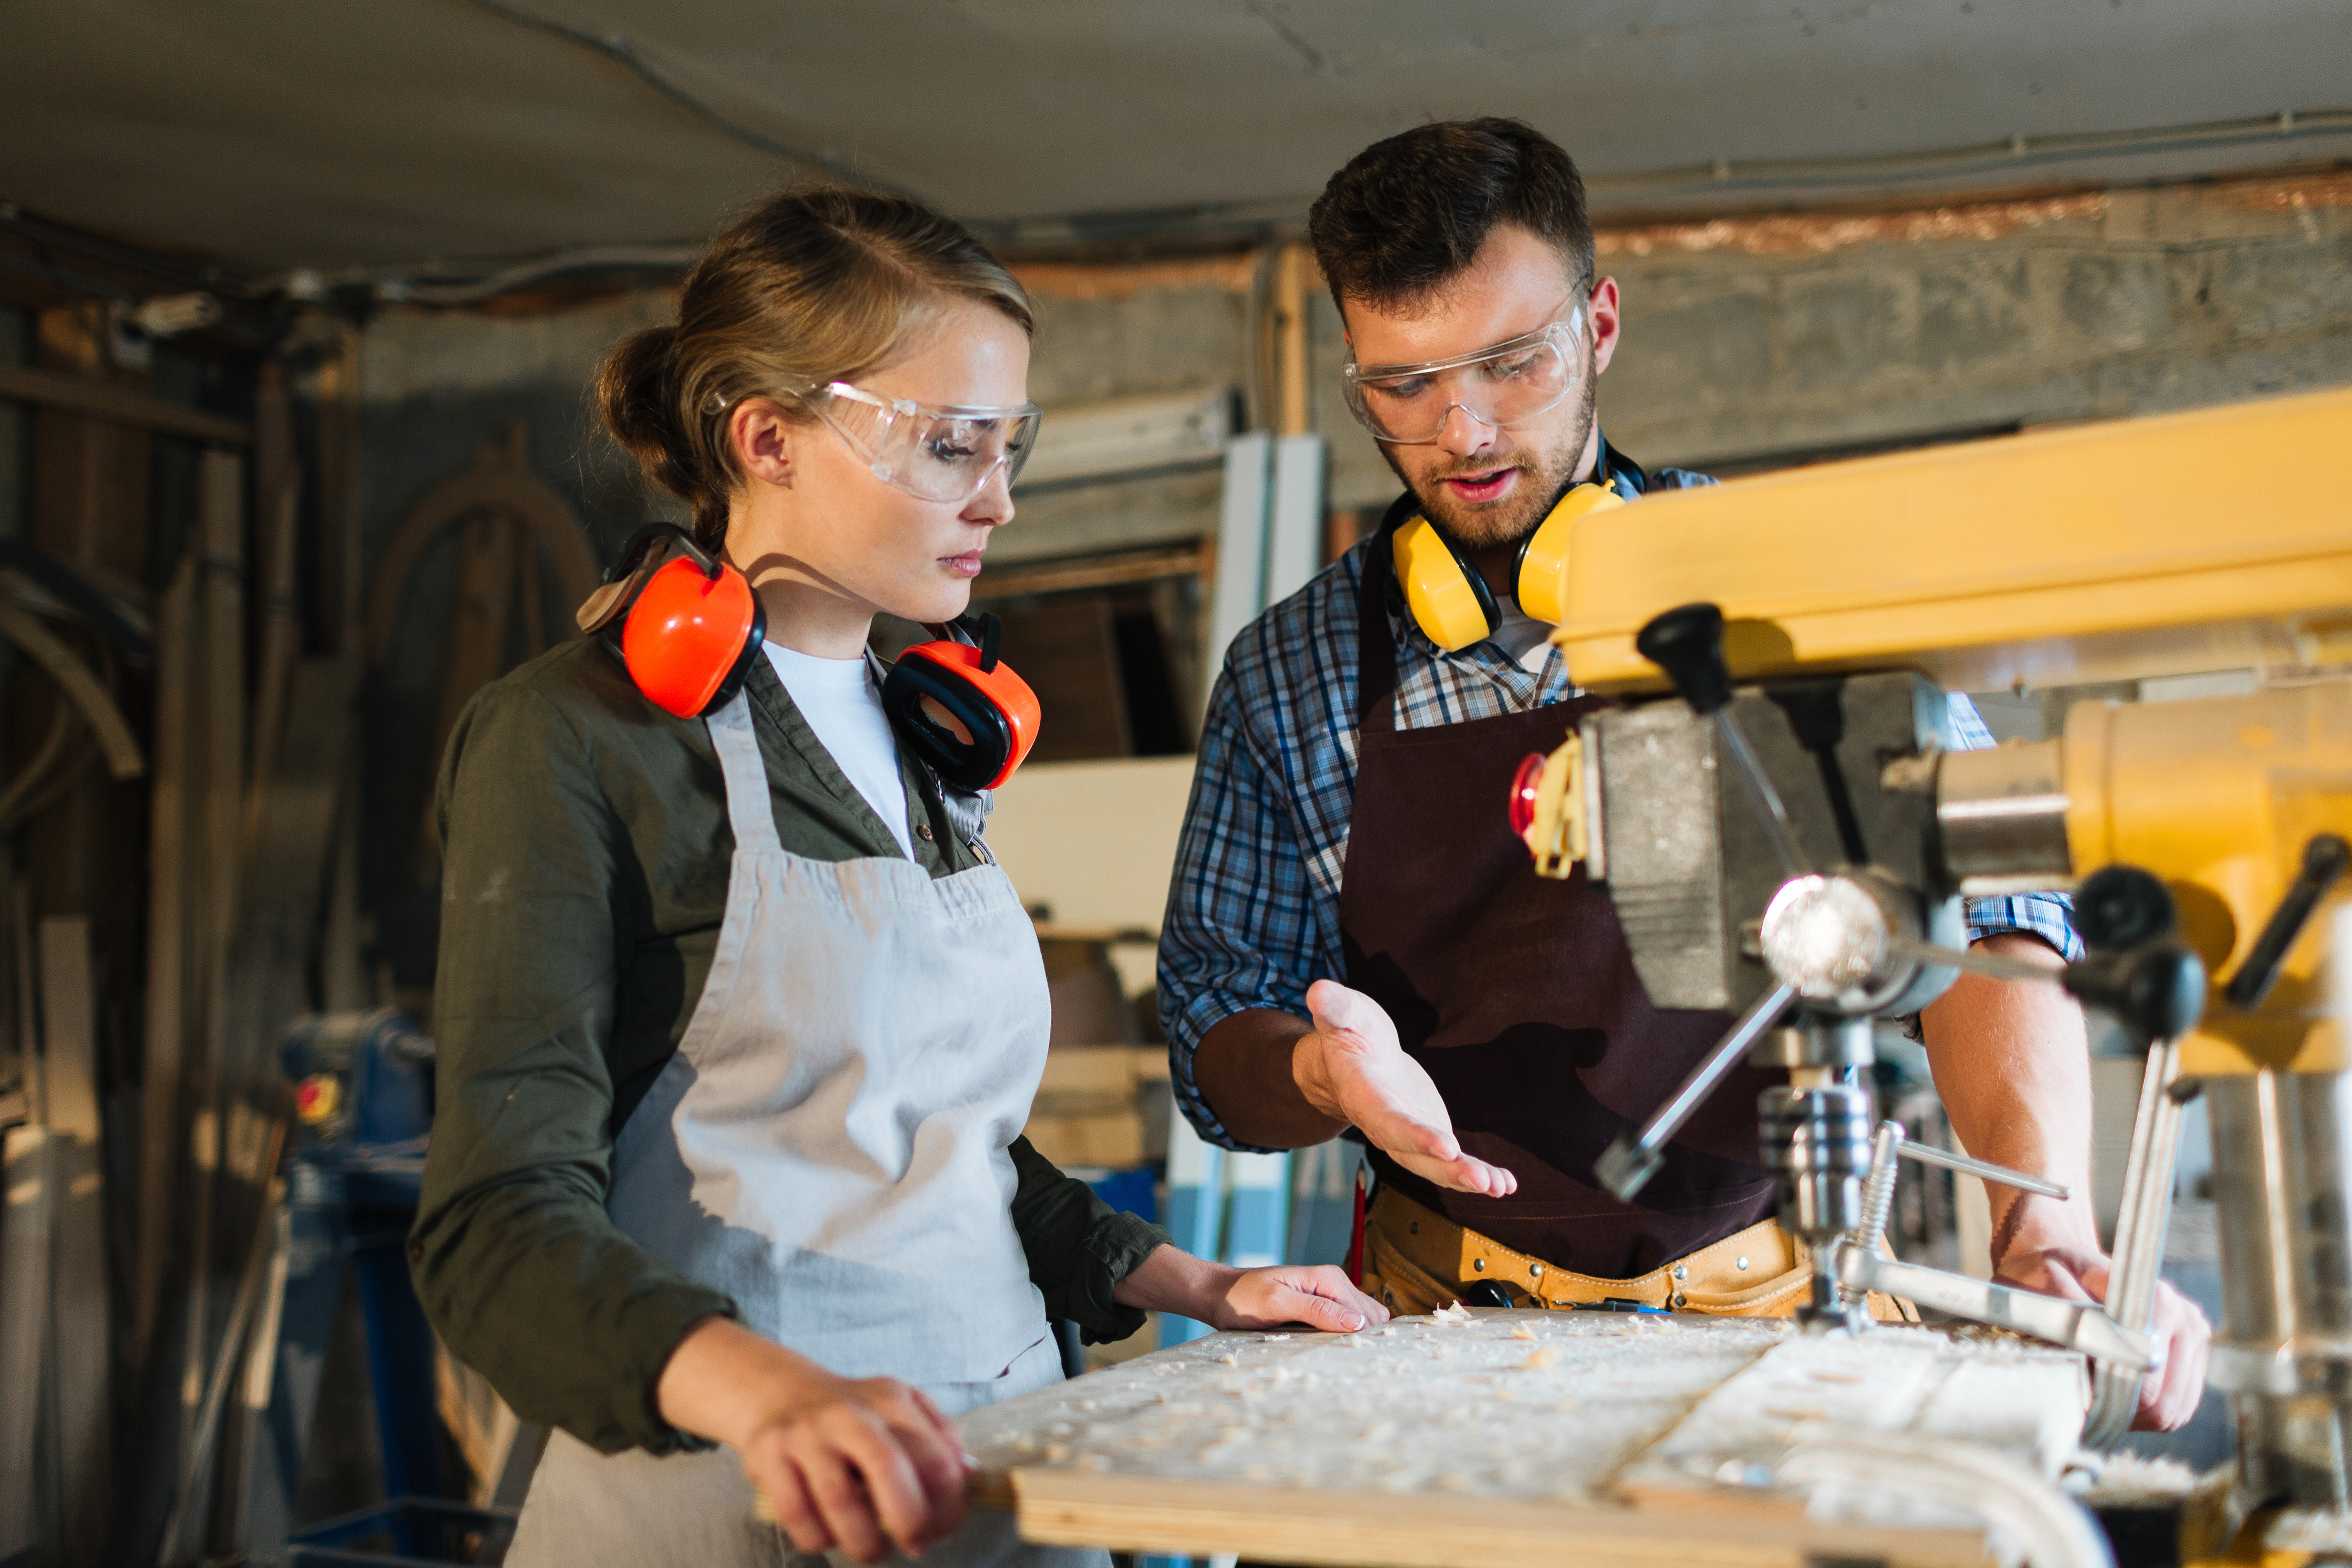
(269, 134)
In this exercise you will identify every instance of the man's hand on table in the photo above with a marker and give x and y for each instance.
(1352, 1069)
(2038, 1248)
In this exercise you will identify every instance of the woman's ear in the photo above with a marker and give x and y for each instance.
(766, 441)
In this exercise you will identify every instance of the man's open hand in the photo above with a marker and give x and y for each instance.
(1353, 1069)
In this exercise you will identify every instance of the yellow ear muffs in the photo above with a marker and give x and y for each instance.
(1447, 597)
(1539, 576)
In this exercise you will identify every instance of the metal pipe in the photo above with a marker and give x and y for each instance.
(1626, 1166)
(1927, 1155)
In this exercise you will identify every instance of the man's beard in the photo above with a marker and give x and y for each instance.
(1507, 521)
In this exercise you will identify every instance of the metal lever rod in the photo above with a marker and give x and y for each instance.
(1626, 1166)
(1927, 1155)
(1687, 643)
(2078, 1325)
(2140, 1227)
(1750, 769)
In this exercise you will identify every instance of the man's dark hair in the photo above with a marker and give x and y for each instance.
(1409, 214)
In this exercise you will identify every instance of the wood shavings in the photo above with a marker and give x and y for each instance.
(1543, 1356)
(1523, 1332)
(1452, 1313)
(1825, 1374)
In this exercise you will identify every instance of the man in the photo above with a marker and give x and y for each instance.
(1354, 939)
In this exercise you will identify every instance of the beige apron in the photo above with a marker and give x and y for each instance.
(828, 1146)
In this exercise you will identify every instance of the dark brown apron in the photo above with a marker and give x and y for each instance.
(1518, 996)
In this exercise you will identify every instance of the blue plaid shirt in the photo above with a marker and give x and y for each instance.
(1254, 911)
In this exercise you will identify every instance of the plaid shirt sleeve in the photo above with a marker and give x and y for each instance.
(1239, 930)
(2050, 916)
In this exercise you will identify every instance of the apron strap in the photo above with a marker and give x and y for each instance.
(750, 809)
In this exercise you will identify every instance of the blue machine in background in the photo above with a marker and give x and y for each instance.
(363, 1094)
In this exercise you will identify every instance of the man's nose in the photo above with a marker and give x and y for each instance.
(1463, 434)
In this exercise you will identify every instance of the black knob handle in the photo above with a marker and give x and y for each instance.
(2118, 907)
(2324, 860)
(1687, 642)
(2157, 992)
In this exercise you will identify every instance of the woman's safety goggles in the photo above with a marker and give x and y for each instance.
(1501, 384)
(940, 452)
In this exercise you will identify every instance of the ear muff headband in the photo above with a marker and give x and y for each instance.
(1449, 597)
(694, 625)
(963, 710)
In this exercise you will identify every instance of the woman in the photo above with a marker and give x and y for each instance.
(738, 1021)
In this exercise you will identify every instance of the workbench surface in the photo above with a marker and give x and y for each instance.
(1431, 1443)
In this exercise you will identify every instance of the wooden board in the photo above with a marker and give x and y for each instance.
(1442, 1443)
(27, 1167)
(82, 1341)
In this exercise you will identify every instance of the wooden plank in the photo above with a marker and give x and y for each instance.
(1892, 1384)
(1285, 1525)
(216, 826)
(94, 399)
(1096, 572)
(83, 1341)
(28, 1167)
(1432, 1442)
(161, 1144)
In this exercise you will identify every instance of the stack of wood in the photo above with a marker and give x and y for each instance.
(1094, 1109)
(1103, 1104)
(146, 1122)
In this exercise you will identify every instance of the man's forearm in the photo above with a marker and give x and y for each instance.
(2012, 1065)
(1247, 1069)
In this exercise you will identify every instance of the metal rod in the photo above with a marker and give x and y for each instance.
(1929, 1155)
(1627, 1164)
(1776, 827)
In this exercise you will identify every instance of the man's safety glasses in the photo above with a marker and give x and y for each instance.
(940, 452)
(1501, 384)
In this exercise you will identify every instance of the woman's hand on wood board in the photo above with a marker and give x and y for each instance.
(861, 1464)
(1317, 1295)
(1351, 1067)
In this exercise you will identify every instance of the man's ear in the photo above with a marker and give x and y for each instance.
(1602, 308)
(766, 443)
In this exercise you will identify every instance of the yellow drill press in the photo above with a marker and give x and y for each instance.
(1811, 622)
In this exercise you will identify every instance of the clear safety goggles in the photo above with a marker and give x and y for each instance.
(941, 452)
(1500, 384)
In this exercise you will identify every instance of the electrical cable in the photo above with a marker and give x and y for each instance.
(620, 48)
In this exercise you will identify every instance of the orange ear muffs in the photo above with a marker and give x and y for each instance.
(694, 625)
(963, 710)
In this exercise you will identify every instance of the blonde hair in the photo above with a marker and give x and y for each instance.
(810, 286)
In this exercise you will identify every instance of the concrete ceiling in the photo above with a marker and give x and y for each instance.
(269, 134)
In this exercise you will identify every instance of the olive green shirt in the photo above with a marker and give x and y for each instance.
(586, 853)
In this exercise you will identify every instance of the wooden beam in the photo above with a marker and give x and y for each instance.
(28, 1167)
(95, 399)
(82, 1348)
(1101, 571)
(1294, 272)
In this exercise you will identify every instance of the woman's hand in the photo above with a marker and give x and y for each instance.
(1318, 1295)
(858, 1463)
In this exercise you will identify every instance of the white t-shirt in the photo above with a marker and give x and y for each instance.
(842, 704)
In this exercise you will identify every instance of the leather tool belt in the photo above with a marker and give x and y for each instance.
(1416, 1261)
